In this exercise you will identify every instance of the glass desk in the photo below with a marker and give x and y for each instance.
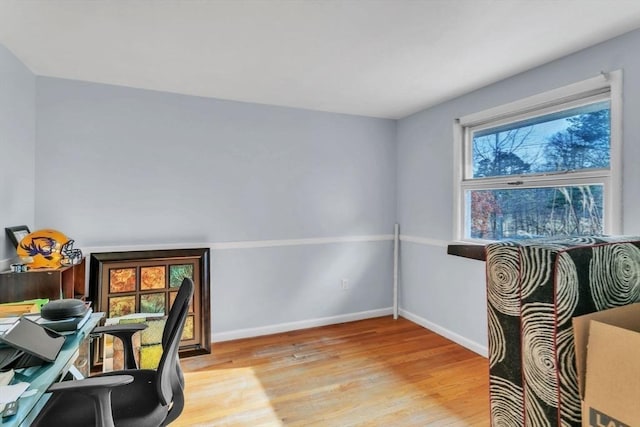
(41, 377)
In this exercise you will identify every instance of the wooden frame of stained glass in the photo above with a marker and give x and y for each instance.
(122, 283)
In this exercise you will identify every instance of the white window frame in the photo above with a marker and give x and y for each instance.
(604, 86)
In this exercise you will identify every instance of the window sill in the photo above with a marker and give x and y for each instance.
(467, 251)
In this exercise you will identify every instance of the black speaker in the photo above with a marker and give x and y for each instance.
(63, 309)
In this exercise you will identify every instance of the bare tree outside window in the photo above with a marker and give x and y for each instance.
(572, 140)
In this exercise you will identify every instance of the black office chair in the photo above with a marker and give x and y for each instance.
(131, 397)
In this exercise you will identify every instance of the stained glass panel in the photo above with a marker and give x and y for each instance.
(122, 280)
(152, 303)
(172, 298)
(152, 277)
(121, 306)
(178, 272)
(188, 332)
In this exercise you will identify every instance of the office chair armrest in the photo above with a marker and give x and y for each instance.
(119, 328)
(88, 384)
(99, 389)
(125, 333)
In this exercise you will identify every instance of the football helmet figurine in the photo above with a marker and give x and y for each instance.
(48, 248)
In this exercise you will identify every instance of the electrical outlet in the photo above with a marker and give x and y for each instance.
(344, 284)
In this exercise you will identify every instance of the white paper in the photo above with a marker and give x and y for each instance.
(6, 377)
(10, 393)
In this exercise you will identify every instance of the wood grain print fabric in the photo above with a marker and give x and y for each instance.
(534, 288)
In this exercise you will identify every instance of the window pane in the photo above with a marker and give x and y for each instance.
(572, 139)
(534, 212)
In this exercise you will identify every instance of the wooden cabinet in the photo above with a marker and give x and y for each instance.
(64, 282)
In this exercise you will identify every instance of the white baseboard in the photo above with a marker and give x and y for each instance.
(458, 339)
(303, 324)
(324, 321)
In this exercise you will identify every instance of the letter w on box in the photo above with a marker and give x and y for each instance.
(598, 419)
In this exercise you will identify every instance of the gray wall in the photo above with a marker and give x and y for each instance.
(445, 292)
(156, 167)
(118, 167)
(17, 144)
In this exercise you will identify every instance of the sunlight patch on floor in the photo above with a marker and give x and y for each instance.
(237, 399)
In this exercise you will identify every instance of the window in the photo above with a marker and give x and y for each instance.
(548, 165)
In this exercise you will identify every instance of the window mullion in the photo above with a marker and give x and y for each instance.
(535, 181)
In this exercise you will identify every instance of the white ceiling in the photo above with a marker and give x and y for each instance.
(380, 58)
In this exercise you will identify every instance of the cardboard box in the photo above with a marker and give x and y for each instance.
(608, 364)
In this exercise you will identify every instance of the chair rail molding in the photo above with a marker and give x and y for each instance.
(423, 240)
(242, 244)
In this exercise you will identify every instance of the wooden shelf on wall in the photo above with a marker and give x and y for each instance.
(468, 251)
(63, 282)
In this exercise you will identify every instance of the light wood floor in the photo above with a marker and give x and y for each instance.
(375, 372)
